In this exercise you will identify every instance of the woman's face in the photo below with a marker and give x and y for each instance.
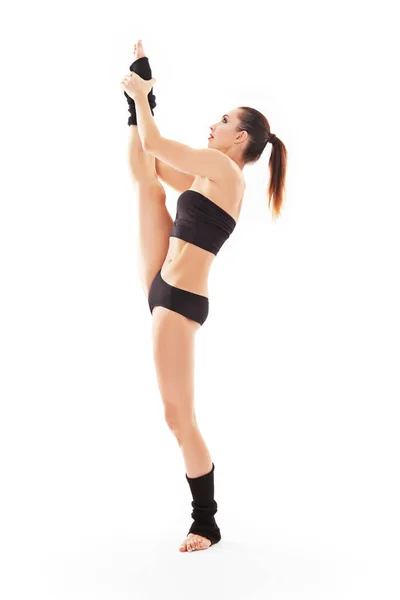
(224, 132)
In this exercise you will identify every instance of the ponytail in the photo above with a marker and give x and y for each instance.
(259, 131)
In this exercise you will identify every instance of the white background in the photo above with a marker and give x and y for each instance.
(297, 365)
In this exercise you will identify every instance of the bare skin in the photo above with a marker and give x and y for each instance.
(185, 428)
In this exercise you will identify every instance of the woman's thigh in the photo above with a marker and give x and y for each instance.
(174, 355)
(154, 226)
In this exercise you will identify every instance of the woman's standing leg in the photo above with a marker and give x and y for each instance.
(174, 356)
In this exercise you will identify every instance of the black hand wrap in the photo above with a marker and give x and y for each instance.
(141, 67)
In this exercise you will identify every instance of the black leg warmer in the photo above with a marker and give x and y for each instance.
(141, 67)
(204, 506)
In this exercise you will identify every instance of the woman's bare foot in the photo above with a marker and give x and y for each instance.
(138, 50)
(194, 542)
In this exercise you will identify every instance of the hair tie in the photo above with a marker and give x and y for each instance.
(272, 138)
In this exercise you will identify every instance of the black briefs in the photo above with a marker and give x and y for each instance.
(190, 305)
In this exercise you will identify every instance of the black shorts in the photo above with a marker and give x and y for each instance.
(191, 305)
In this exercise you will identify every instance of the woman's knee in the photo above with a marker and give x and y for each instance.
(178, 418)
(150, 189)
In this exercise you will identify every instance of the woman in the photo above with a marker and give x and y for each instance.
(176, 256)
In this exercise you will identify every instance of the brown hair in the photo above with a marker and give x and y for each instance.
(257, 126)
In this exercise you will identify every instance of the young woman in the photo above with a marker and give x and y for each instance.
(176, 256)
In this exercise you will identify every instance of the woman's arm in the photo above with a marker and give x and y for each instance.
(206, 162)
(177, 180)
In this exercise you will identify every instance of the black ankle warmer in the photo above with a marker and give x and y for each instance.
(141, 67)
(204, 506)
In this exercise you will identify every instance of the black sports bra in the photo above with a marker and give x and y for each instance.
(202, 222)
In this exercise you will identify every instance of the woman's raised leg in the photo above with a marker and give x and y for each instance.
(154, 220)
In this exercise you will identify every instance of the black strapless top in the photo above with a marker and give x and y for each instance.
(202, 222)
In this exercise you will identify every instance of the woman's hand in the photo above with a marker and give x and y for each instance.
(135, 86)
